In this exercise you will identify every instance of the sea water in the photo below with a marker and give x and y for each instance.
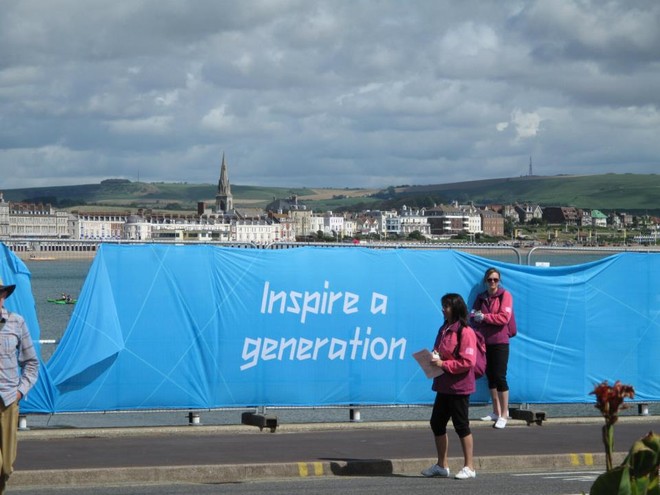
(52, 278)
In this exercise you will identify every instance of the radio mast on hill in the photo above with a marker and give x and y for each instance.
(531, 172)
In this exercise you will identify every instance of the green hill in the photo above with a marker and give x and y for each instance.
(158, 195)
(633, 193)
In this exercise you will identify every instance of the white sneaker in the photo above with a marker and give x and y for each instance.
(500, 423)
(436, 470)
(465, 473)
(490, 417)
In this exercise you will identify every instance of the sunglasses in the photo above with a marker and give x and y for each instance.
(492, 280)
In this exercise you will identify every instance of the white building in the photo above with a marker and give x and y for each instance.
(137, 228)
(381, 217)
(32, 220)
(333, 225)
(255, 231)
(350, 227)
(4, 217)
(411, 220)
(189, 227)
(473, 219)
(316, 223)
(96, 225)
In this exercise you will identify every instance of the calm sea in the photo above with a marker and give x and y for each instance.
(49, 280)
(52, 278)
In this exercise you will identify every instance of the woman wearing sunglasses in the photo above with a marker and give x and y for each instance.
(492, 311)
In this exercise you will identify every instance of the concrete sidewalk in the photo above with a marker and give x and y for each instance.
(214, 454)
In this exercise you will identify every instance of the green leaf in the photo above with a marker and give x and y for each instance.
(613, 482)
(643, 460)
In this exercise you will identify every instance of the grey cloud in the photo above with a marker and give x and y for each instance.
(317, 93)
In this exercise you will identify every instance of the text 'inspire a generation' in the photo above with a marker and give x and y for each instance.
(361, 346)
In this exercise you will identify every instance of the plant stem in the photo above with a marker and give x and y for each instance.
(608, 440)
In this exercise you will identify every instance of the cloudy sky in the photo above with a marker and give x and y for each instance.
(335, 93)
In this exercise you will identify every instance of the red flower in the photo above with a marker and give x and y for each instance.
(609, 399)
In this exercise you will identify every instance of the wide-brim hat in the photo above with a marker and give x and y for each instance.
(7, 289)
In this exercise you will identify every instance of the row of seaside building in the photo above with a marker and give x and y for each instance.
(284, 220)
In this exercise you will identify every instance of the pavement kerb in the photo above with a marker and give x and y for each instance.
(250, 472)
(48, 433)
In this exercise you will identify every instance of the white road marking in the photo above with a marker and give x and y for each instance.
(565, 475)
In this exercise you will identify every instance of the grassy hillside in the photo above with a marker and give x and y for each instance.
(147, 195)
(622, 192)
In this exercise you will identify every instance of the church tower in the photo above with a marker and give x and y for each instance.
(224, 202)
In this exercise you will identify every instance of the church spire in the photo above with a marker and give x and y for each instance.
(224, 202)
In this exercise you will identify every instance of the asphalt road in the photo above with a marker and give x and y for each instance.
(209, 456)
(199, 446)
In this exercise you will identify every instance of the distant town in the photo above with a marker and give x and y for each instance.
(287, 220)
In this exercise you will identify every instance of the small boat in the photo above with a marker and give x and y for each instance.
(59, 300)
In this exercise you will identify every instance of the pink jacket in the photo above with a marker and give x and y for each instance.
(458, 376)
(497, 310)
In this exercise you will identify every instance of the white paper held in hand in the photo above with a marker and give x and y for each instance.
(424, 358)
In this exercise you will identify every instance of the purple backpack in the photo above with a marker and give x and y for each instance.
(480, 365)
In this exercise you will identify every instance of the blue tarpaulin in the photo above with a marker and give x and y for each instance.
(13, 271)
(165, 326)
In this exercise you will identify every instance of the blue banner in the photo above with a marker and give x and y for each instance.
(160, 327)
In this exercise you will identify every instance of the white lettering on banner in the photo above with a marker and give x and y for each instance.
(316, 303)
(270, 345)
(378, 303)
(292, 349)
(337, 348)
(323, 302)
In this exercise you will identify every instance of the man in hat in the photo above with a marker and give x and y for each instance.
(19, 369)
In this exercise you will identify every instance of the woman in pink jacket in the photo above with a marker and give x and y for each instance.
(491, 314)
(455, 353)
